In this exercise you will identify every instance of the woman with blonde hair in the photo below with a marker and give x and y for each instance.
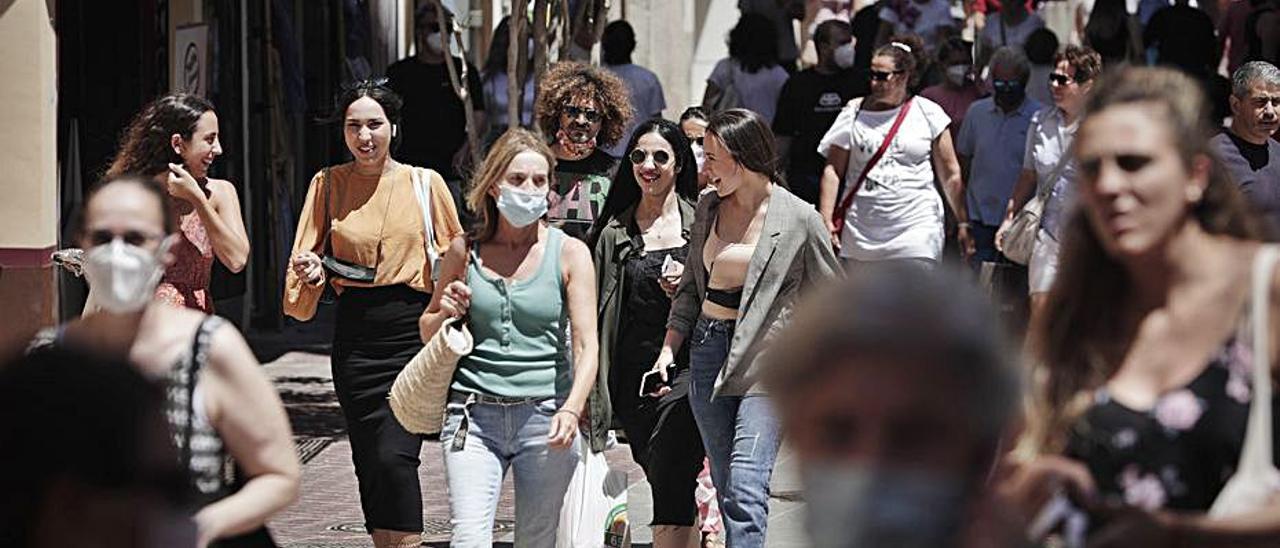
(1145, 388)
(516, 400)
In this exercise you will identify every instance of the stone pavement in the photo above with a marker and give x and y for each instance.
(327, 514)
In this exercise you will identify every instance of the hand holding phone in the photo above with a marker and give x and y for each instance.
(653, 380)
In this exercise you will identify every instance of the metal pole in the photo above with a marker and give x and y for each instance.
(245, 155)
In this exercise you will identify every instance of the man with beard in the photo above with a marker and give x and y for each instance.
(582, 110)
(990, 147)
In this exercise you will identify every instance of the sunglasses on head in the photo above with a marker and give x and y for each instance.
(1128, 163)
(591, 115)
(131, 237)
(1060, 79)
(660, 157)
(880, 75)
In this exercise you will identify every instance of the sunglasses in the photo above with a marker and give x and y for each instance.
(880, 75)
(1060, 79)
(1128, 163)
(660, 157)
(1005, 84)
(131, 237)
(696, 140)
(573, 112)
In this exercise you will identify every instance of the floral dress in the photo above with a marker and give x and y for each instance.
(186, 281)
(1179, 454)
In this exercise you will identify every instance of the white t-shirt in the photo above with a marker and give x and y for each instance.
(897, 213)
(757, 91)
(920, 19)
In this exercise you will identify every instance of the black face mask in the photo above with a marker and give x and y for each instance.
(1010, 97)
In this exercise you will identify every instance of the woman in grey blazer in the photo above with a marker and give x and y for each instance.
(753, 248)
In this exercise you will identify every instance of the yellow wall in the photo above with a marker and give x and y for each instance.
(28, 168)
(28, 142)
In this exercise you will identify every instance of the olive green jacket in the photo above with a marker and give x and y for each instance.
(618, 239)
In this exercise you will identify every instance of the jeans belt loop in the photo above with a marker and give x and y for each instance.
(460, 438)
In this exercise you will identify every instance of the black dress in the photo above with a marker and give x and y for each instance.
(1179, 454)
(662, 433)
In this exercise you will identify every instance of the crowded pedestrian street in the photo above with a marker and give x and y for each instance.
(640, 273)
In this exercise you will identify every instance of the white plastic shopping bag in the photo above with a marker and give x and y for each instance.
(595, 506)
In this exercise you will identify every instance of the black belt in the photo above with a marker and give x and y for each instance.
(728, 299)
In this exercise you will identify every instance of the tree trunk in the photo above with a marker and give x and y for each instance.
(515, 63)
(540, 47)
(459, 82)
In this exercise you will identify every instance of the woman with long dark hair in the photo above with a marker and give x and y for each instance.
(174, 140)
(516, 400)
(641, 244)
(1145, 388)
(754, 247)
(364, 217)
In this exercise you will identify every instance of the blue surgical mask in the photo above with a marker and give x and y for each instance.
(851, 505)
(519, 207)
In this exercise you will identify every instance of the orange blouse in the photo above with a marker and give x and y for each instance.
(372, 221)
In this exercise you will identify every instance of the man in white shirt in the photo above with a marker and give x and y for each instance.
(647, 101)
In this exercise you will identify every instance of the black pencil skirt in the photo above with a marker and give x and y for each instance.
(375, 335)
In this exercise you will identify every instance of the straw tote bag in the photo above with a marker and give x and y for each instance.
(421, 390)
(1256, 480)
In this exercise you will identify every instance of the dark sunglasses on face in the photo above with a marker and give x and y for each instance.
(131, 237)
(573, 112)
(1128, 163)
(696, 140)
(1060, 79)
(660, 157)
(880, 75)
(1003, 85)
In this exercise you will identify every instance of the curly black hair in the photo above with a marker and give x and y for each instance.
(569, 79)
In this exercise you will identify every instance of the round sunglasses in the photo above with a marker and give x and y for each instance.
(660, 157)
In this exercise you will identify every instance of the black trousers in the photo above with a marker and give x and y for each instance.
(375, 335)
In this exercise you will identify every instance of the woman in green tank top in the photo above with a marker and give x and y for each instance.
(515, 401)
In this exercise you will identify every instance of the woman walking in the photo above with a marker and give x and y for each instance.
(888, 148)
(516, 401)
(219, 403)
(365, 215)
(174, 140)
(641, 246)
(1148, 337)
(753, 249)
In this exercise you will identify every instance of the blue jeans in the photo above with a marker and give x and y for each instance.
(501, 436)
(741, 435)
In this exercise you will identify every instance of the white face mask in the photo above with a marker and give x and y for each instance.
(521, 208)
(433, 43)
(699, 155)
(123, 276)
(850, 505)
(956, 74)
(844, 56)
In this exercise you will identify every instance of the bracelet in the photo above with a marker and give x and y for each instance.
(576, 416)
(963, 224)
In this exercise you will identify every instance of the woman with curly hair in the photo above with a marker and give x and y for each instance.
(582, 109)
(174, 140)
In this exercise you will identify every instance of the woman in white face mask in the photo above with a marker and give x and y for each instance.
(219, 402)
(516, 400)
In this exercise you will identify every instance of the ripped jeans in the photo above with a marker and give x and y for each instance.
(741, 435)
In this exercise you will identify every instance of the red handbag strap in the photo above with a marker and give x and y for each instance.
(888, 138)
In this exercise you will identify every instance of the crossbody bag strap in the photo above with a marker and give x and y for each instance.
(866, 169)
(328, 214)
(1256, 453)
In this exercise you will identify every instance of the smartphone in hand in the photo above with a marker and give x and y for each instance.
(651, 381)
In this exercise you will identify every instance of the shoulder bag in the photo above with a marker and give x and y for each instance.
(1256, 480)
(421, 390)
(338, 267)
(1020, 238)
(843, 208)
